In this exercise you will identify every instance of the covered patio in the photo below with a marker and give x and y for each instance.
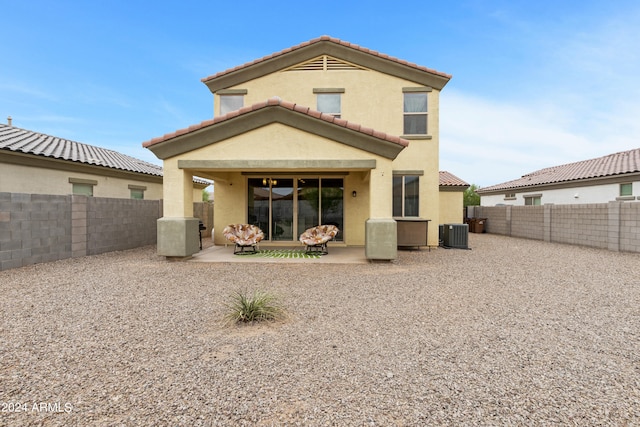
(283, 168)
(337, 255)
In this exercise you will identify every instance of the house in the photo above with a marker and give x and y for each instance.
(615, 177)
(35, 163)
(322, 132)
(452, 191)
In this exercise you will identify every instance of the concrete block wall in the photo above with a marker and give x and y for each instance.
(34, 228)
(499, 224)
(527, 222)
(614, 225)
(41, 228)
(630, 227)
(115, 224)
(585, 225)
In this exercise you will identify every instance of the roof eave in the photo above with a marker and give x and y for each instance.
(205, 135)
(599, 180)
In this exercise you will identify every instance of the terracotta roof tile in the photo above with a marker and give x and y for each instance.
(332, 40)
(38, 144)
(277, 102)
(447, 179)
(612, 164)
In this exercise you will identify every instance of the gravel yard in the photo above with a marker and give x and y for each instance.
(513, 332)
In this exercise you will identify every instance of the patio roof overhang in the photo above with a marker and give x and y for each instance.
(276, 111)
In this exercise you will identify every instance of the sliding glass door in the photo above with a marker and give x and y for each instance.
(284, 207)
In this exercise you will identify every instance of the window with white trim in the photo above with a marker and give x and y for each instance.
(229, 103)
(626, 189)
(329, 103)
(532, 200)
(415, 113)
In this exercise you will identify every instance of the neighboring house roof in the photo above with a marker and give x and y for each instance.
(45, 146)
(625, 162)
(332, 47)
(447, 179)
(38, 144)
(285, 112)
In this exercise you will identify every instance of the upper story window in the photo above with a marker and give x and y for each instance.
(415, 113)
(231, 100)
(415, 110)
(229, 103)
(329, 101)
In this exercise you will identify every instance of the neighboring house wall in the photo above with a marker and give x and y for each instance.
(577, 194)
(614, 225)
(37, 228)
(40, 180)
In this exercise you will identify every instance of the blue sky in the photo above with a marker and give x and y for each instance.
(535, 84)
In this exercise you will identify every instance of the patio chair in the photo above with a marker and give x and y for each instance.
(245, 237)
(316, 238)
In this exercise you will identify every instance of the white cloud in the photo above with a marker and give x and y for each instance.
(582, 103)
(487, 142)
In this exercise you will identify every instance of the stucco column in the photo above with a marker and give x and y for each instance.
(381, 238)
(177, 230)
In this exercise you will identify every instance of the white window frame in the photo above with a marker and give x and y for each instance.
(329, 92)
(531, 199)
(409, 92)
(229, 95)
(625, 185)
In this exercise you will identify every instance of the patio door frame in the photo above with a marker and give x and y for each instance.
(268, 178)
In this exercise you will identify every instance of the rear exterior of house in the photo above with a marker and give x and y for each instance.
(325, 132)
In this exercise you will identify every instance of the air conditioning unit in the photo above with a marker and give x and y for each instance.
(455, 236)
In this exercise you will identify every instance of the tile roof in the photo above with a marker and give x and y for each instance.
(38, 144)
(447, 179)
(332, 40)
(277, 102)
(613, 164)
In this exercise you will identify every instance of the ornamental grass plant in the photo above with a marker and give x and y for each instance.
(253, 307)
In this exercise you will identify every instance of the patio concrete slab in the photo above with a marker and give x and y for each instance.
(336, 255)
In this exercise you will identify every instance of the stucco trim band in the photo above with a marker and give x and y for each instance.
(365, 164)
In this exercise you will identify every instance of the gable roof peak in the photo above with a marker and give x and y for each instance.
(331, 46)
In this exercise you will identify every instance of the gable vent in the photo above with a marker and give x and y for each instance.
(325, 63)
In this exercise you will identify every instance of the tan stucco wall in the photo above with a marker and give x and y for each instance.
(280, 142)
(451, 203)
(37, 180)
(371, 99)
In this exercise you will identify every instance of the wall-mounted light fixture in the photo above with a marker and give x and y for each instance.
(354, 193)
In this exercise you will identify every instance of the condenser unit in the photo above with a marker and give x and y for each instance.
(455, 236)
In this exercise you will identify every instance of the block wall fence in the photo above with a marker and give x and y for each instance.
(614, 226)
(38, 228)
